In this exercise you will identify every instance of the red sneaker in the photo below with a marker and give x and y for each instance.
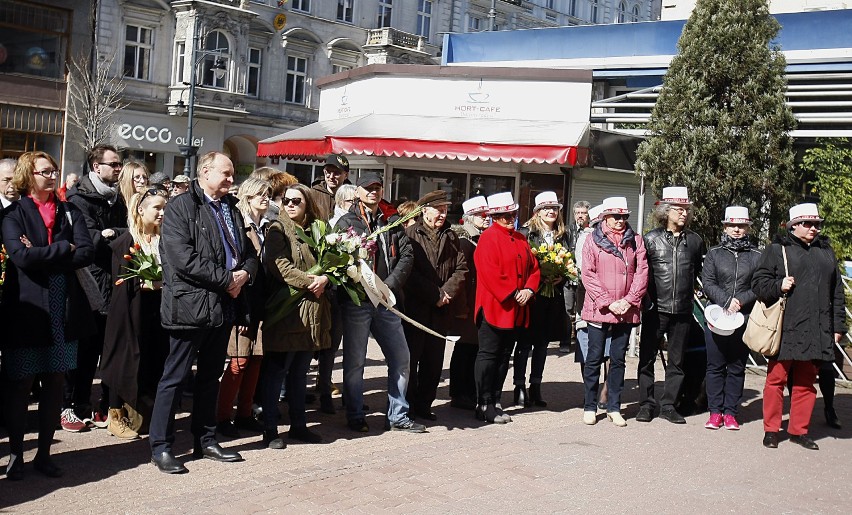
(71, 422)
(714, 422)
(100, 420)
(731, 423)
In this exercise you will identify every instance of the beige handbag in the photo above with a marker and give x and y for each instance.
(763, 332)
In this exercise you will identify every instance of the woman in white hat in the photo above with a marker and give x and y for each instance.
(814, 320)
(615, 274)
(502, 301)
(726, 276)
(547, 314)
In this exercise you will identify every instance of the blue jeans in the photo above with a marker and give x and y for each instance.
(276, 366)
(726, 364)
(594, 359)
(359, 322)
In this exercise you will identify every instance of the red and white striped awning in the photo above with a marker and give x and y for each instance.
(486, 139)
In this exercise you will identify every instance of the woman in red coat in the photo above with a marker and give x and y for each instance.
(615, 275)
(508, 277)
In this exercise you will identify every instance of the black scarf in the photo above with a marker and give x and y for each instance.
(736, 244)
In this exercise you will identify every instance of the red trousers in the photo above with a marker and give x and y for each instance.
(240, 376)
(802, 399)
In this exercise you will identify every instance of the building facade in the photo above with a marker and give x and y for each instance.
(681, 9)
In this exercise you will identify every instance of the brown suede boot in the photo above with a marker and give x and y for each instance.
(119, 425)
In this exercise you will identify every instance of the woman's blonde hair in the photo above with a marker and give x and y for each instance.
(126, 186)
(536, 225)
(250, 188)
(134, 217)
(23, 178)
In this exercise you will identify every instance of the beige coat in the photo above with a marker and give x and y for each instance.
(251, 343)
(286, 261)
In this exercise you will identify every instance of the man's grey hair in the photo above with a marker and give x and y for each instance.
(581, 204)
(8, 163)
(660, 214)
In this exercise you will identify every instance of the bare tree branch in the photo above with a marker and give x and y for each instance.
(95, 96)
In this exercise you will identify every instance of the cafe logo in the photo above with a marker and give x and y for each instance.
(477, 104)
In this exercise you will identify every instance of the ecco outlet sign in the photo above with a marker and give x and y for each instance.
(153, 134)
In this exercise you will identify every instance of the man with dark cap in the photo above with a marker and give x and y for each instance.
(392, 264)
(335, 173)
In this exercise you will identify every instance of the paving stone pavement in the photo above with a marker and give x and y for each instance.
(545, 461)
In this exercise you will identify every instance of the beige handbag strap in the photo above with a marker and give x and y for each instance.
(784, 253)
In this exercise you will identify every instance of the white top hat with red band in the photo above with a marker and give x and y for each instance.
(802, 213)
(475, 205)
(501, 203)
(546, 199)
(595, 214)
(736, 215)
(614, 206)
(675, 195)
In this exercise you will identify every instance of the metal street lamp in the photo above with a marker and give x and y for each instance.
(189, 149)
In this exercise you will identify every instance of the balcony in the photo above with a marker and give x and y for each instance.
(392, 46)
(389, 36)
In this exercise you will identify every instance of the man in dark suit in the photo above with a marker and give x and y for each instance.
(207, 260)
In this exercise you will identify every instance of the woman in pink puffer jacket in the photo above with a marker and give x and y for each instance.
(615, 275)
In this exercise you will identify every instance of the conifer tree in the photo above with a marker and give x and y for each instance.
(721, 126)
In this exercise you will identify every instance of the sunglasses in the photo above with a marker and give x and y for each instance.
(814, 225)
(48, 174)
(620, 217)
(114, 164)
(152, 191)
(287, 201)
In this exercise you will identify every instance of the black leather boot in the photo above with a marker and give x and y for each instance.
(521, 397)
(535, 396)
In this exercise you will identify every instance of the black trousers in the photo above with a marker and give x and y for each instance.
(209, 345)
(492, 361)
(78, 382)
(654, 326)
(427, 363)
(17, 397)
(462, 371)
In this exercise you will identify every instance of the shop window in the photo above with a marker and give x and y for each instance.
(301, 5)
(137, 52)
(33, 39)
(424, 18)
(217, 42)
(305, 173)
(534, 183)
(413, 184)
(253, 75)
(344, 10)
(297, 76)
(384, 13)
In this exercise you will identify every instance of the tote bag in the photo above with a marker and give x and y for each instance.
(763, 332)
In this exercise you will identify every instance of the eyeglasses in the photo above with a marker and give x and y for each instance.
(140, 178)
(114, 164)
(333, 171)
(287, 201)
(814, 225)
(48, 174)
(620, 217)
(680, 210)
(153, 191)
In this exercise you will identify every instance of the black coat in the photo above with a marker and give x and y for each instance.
(195, 276)
(548, 318)
(815, 305)
(465, 323)
(135, 344)
(26, 303)
(727, 273)
(673, 265)
(100, 215)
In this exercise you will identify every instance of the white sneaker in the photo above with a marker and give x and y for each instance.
(590, 418)
(616, 418)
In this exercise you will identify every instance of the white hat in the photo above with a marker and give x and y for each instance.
(803, 212)
(675, 195)
(546, 199)
(595, 214)
(501, 203)
(614, 206)
(475, 205)
(736, 215)
(722, 322)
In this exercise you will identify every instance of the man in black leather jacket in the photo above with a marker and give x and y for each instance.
(207, 260)
(675, 255)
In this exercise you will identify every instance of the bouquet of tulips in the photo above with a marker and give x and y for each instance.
(339, 254)
(141, 265)
(555, 262)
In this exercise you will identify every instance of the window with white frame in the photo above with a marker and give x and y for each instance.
(217, 45)
(622, 12)
(297, 78)
(344, 10)
(301, 5)
(572, 7)
(593, 13)
(424, 18)
(635, 14)
(474, 24)
(384, 13)
(137, 52)
(253, 72)
(179, 73)
(340, 68)
(549, 4)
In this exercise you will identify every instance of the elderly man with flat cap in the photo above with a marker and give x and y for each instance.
(335, 173)
(434, 296)
(392, 264)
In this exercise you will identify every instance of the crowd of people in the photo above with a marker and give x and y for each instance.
(80, 309)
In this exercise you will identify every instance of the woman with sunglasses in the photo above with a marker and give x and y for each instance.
(548, 320)
(135, 343)
(245, 348)
(726, 279)
(133, 178)
(502, 301)
(44, 310)
(615, 275)
(289, 344)
(800, 265)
